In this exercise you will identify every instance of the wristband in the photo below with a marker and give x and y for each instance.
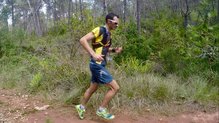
(113, 50)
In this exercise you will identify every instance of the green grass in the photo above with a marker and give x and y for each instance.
(13, 72)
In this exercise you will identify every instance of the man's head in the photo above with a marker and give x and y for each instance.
(112, 20)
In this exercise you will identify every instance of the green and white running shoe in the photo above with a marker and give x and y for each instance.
(80, 111)
(105, 114)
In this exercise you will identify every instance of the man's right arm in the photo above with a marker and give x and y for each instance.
(84, 42)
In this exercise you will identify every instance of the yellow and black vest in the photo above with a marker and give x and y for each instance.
(101, 42)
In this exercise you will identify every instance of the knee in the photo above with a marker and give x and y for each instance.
(116, 88)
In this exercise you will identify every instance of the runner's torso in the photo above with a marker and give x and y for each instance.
(101, 43)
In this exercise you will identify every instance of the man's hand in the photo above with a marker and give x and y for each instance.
(98, 57)
(118, 49)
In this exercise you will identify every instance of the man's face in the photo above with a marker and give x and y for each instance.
(113, 24)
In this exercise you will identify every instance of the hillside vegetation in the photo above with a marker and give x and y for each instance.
(164, 65)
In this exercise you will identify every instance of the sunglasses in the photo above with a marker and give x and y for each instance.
(114, 22)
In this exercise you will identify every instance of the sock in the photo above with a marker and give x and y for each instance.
(101, 108)
(81, 106)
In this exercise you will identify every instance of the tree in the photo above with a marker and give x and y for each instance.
(174, 6)
(34, 7)
(55, 17)
(69, 11)
(125, 10)
(76, 6)
(104, 7)
(138, 16)
(218, 10)
(186, 12)
(49, 9)
(81, 10)
(11, 3)
(4, 16)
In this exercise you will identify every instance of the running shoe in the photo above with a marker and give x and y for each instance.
(80, 111)
(105, 114)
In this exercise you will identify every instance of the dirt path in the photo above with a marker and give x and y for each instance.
(19, 108)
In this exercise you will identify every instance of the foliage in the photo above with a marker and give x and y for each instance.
(163, 64)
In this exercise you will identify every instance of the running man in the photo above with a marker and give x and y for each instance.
(101, 42)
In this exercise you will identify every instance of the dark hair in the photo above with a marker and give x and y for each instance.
(111, 16)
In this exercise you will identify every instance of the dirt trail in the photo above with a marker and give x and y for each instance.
(18, 108)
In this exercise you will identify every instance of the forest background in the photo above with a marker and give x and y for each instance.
(170, 56)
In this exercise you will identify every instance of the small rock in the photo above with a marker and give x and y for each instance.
(41, 108)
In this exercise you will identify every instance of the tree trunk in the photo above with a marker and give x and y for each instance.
(36, 20)
(38, 25)
(95, 12)
(144, 10)
(185, 13)
(72, 7)
(81, 11)
(138, 16)
(62, 10)
(125, 10)
(156, 8)
(218, 11)
(69, 12)
(76, 8)
(11, 3)
(12, 12)
(104, 7)
(173, 6)
(54, 12)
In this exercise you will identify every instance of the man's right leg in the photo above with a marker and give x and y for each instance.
(88, 93)
(114, 87)
(102, 111)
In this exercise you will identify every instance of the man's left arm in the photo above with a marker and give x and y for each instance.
(115, 50)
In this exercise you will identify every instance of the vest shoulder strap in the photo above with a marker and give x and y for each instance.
(99, 44)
